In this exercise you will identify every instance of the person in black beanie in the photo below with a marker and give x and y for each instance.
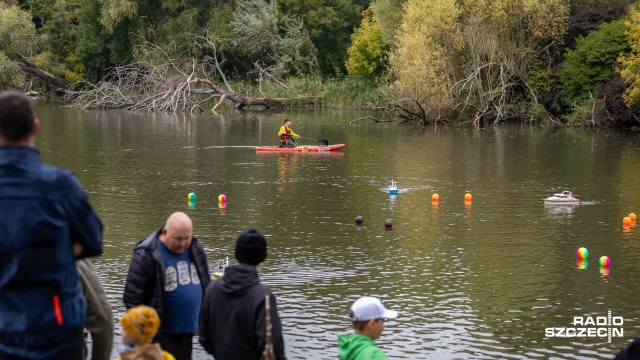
(233, 317)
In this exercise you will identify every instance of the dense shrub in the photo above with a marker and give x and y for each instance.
(590, 64)
(621, 114)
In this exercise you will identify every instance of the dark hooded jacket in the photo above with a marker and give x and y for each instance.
(232, 321)
(145, 280)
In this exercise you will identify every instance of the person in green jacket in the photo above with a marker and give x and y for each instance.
(367, 315)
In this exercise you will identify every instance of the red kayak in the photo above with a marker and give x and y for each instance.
(302, 148)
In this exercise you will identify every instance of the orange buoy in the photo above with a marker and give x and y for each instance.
(626, 221)
(435, 197)
(632, 216)
(467, 197)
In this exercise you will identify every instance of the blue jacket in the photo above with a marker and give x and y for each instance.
(43, 211)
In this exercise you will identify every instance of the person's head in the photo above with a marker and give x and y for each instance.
(251, 247)
(177, 232)
(139, 325)
(287, 122)
(18, 124)
(368, 314)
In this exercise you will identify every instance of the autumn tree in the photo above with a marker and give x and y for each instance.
(387, 15)
(17, 34)
(368, 49)
(630, 71)
(503, 40)
(424, 63)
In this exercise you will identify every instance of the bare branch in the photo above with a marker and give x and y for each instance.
(169, 84)
(369, 118)
(204, 42)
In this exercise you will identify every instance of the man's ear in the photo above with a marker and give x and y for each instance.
(36, 127)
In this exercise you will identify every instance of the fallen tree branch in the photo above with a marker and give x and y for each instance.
(30, 67)
(262, 72)
(369, 118)
(173, 84)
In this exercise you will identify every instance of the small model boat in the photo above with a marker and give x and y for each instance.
(218, 271)
(565, 198)
(393, 189)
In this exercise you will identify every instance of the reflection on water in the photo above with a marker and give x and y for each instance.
(480, 280)
(555, 209)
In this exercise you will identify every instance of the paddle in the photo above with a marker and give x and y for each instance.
(322, 142)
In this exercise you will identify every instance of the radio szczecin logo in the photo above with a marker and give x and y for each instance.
(590, 327)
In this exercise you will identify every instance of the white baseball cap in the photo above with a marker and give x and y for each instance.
(368, 308)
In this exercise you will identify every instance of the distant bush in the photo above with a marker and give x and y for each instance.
(590, 64)
(612, 92)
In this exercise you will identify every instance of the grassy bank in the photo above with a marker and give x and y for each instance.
(337, 93)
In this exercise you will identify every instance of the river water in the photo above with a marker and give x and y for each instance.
(482, 280)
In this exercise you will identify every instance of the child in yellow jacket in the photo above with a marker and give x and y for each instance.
(139, 325)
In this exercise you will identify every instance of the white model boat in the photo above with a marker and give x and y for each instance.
(565, 198)
(218, 271)
(393, 188)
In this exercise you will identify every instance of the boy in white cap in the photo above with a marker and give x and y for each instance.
(367, 315)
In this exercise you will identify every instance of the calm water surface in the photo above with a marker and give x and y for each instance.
(479, 281)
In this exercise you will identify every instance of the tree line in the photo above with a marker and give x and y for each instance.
(481, 61)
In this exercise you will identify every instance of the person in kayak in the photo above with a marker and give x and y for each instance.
(286, 135)
(367, 315)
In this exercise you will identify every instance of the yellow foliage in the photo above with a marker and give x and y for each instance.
(368, 49)
(631, 63)
(114, 11)
(48, 62)
(76, 70)
(423, 64)
(547, 19)
(531, 20)
(17, 31)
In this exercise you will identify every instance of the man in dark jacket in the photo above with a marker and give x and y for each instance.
(45, 222)
(169, 272)
(232, 323)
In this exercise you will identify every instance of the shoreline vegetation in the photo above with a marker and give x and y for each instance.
(556, 62)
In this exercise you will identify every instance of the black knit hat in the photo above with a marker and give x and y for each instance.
(251, 247)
